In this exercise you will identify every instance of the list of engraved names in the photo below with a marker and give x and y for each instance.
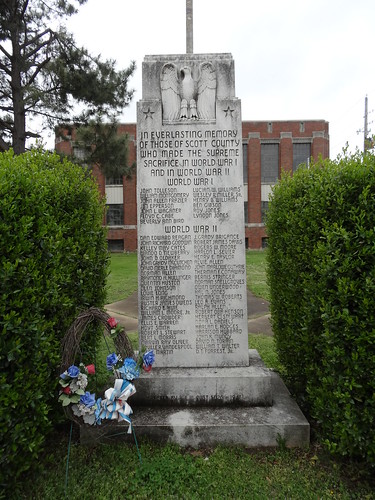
(191, 245)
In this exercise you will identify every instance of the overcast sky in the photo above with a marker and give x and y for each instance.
(294, 59)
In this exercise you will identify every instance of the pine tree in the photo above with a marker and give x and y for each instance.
(45, 75)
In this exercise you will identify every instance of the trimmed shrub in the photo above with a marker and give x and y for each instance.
(321, 272)
(53, 263)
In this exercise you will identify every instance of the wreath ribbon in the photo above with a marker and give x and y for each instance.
(114, 406)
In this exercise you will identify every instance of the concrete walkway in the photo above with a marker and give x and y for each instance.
(126, 313)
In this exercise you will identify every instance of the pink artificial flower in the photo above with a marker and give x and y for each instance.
(66, 390)
(112, 322)
(90, 369)
(147, 368)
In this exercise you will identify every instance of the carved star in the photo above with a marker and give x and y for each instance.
(148, 113)
(228, 111)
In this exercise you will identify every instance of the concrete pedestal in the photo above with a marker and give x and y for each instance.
(196, 426)
(220, 386)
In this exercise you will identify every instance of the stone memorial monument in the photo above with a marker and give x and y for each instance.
(206, 386)
(192, 271)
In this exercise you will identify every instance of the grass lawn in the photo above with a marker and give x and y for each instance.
(256, 273)
(123, 276)
(168, 472)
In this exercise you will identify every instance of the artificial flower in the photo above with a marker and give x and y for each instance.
(148, 359)
(112, 322)
(129, 370)
(112, 360)
(73, 371)
(88, 399)
(90, 369)
(79, 382)
(66, 390)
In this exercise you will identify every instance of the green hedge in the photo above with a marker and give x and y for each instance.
(321, 272)
(53, 263)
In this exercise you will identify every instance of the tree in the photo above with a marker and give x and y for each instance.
(44, 75)
(101, 144)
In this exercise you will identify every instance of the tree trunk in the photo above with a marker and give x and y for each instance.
(19, 126)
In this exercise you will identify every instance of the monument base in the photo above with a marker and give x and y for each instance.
(199, 426)
(221, 386)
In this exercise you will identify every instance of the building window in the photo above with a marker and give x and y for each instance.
(244, 159)
(264, 242)
(264, 208)
(79, 152)
(301, 154)
(269, 160)
(113, 181)
(302, 127)
(245, 206)
(115, 215)
(116, 245)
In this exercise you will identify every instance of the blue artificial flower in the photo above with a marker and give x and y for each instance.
(112, 359)
(88, 399)
(73, 371)
(148, 358)
(129, 370)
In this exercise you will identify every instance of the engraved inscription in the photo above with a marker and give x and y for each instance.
(192, 270)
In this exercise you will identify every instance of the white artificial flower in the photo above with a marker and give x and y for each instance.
(79, 383)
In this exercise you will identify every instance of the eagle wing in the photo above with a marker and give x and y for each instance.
(206, 104)
(170, 96)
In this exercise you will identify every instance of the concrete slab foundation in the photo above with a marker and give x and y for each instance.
(211, 426)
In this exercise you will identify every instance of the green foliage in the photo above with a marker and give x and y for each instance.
(104, 146)
(53, 260)
(44, 74)
(171, 473)
(321, 270)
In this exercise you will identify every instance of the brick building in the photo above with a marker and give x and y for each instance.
(268, 149)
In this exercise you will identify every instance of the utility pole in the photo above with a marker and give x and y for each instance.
(368, 140)
(365, 129)
(189, 26)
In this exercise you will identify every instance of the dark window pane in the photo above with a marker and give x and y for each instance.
(264, 208)
(113, 181)
(301, 154)
(269, 163)
(244, 154)
(115, 215)
(116, 245)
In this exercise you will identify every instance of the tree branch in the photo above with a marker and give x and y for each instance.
(5, 69)
(8, 109)
(39, 68)
(32, 134)
(6, 54)
(24, 8)
(40, 45)
(4, 146)
(49, 115)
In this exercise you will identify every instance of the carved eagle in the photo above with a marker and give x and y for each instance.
(184, 97)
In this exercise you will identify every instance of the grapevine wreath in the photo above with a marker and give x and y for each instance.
(82, 406)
